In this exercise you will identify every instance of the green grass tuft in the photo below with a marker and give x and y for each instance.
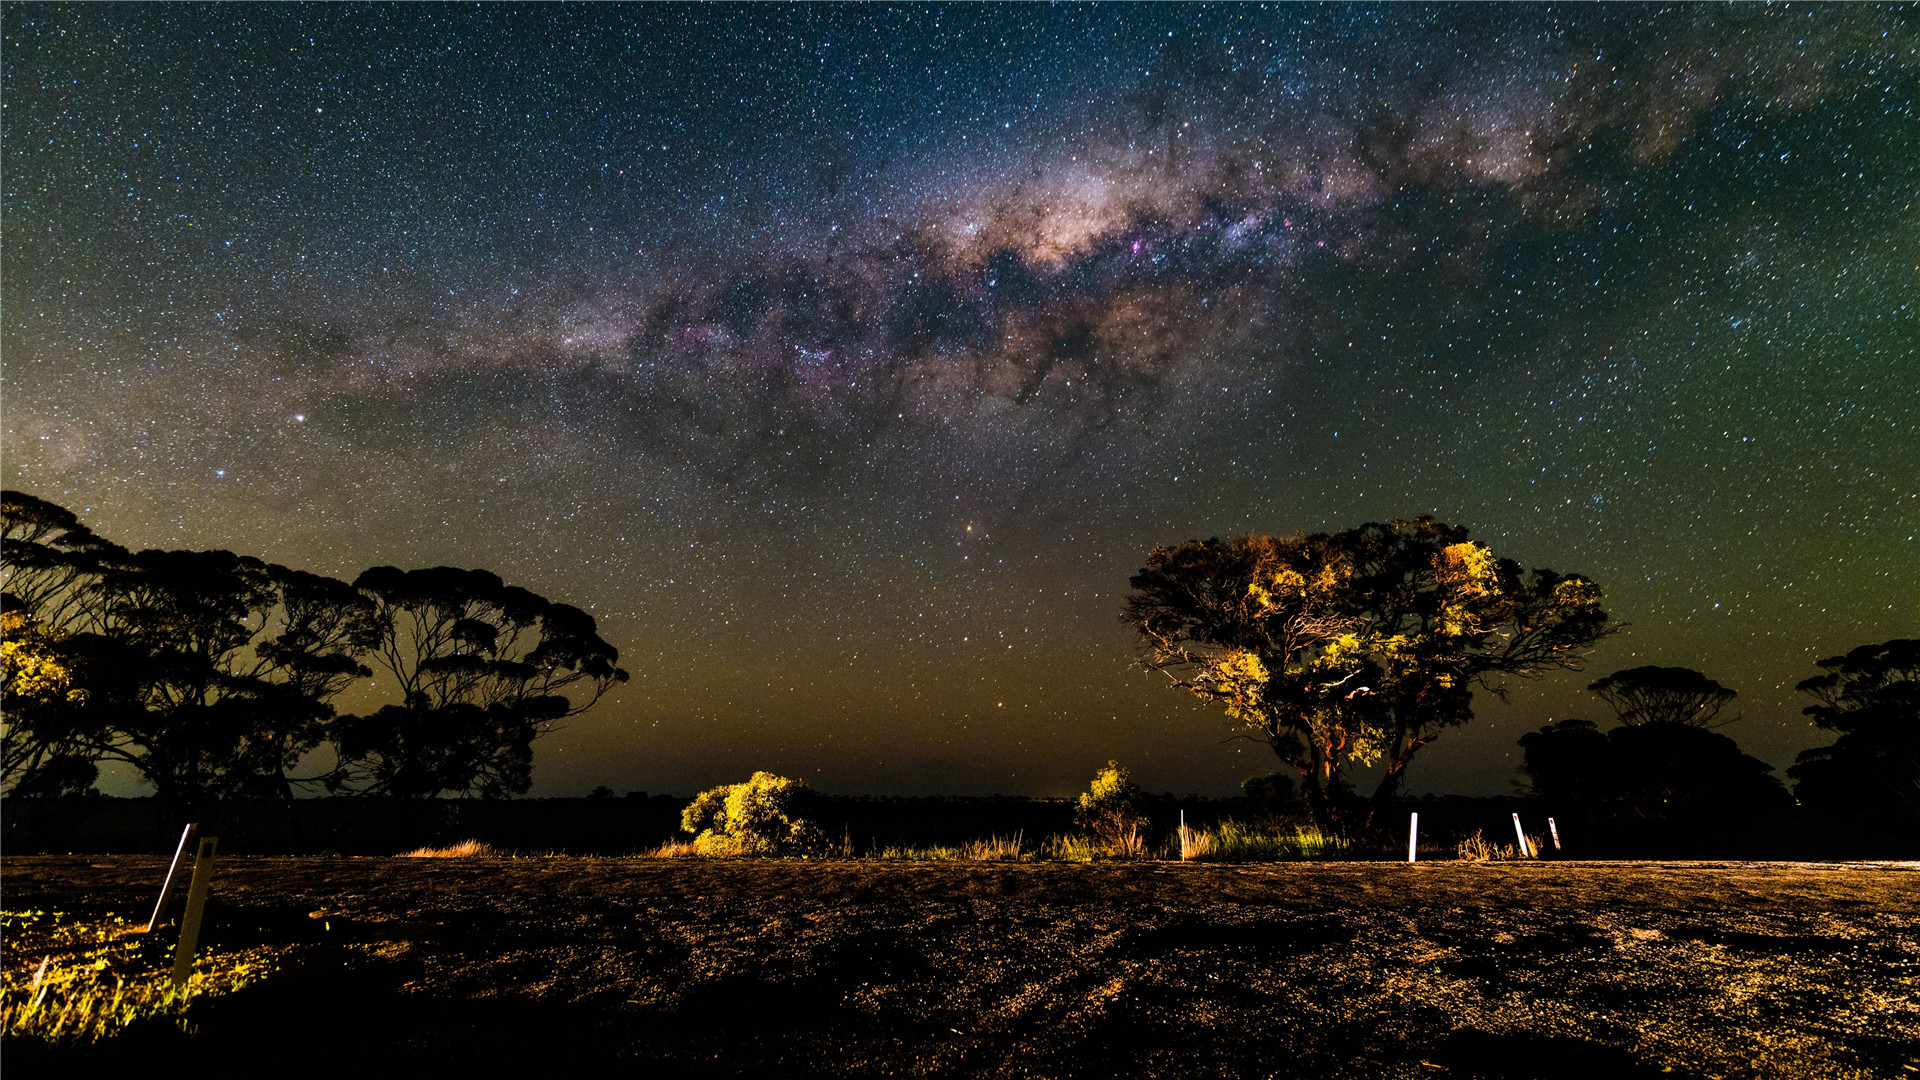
(80, 982)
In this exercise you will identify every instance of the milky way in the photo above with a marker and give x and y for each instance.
(844, 361)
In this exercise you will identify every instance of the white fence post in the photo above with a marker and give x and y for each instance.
(1555, 830)
(1520, 834)
(1413, 836)
(173, 873)
(196, 905)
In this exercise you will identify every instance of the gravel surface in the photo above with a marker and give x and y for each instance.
(779, 968)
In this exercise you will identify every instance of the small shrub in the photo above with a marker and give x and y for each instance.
(1474, 848)
(759, 817)
(1477, 848)
(1110, 810)
(1127, 843)
(465, 849)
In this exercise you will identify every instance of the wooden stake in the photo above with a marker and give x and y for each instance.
(196, 905)
(1413, 836)
(1555, 830)
(173, 873)
(1520, 833)
(1183, 834)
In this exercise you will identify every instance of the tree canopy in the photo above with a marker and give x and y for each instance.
(1656, 771)
(483, 668)
(1356, 648)
(1676, 695)
(1871, 698)
(214, 674)
(1660, 763)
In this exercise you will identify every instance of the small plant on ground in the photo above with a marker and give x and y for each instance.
(1110, 811)
(1477, 848)
(762, 816)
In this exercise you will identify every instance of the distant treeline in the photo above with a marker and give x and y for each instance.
(627, 826)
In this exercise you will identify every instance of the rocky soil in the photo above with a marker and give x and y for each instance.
(776, 968)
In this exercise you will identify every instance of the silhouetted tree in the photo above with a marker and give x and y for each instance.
(1568, 767)
(1666, 769)
(1270, 794)
(47, 558)
(213, 674)
(1658, 770)
(51, 710)
(209, 673)
(1871, 697)
(46, 743)
(1358, 647)
(1649, 695)
(235, 662)
(483, 669)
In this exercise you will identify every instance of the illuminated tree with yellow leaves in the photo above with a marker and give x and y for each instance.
(1354, 649)
(44, 738)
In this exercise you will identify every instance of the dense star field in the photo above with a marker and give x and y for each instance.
(845, 361)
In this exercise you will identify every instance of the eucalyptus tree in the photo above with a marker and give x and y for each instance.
(482, 669)
(1870, 698)
(1357, 648)
(210, 674)
(1671, 695)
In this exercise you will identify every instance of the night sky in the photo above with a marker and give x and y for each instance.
(845, 361)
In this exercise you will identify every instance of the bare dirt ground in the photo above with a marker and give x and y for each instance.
(775, 968)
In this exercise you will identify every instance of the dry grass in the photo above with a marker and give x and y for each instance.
(990, 849)
(994, 849)
(1477, 848)
(101, 976)
(1234, 841)
(465, 849)
(1127, 843)
(1195, 844)
(670, 849)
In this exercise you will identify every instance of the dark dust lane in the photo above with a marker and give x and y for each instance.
(866, 969)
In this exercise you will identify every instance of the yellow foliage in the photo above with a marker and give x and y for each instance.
(1240, 676)
(30, 668)
(1240, 669)
(1468, 567)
